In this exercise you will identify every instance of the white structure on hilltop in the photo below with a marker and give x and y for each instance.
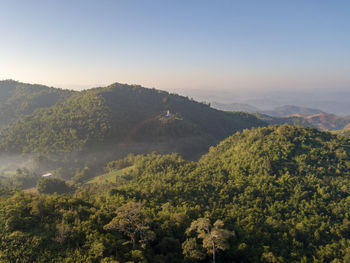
(47, 175)
(168, 114)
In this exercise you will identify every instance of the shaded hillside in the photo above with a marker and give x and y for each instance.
(293, 120)
(19, 99)
(123, 118)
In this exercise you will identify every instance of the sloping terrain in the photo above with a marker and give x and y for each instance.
(295, 115)
(321, 121)
(287, 110)
(92, 127)
(280, 193)
(283, 187)
(121, 115)
(324, 121)
(20, 99)
(344, 132)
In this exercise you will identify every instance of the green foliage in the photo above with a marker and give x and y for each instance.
(66, 131)
(213, 237)
(22, 179)
(282, 190)
(120, 164)
(122, 118)
(49, 185)
(19, 99)
(63, 127)
(131, 221)
(82, 175)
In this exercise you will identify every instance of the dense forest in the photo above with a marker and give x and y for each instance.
(120, 114)
(75, 129)
(129, 174)
(271, 194)
(20, 99)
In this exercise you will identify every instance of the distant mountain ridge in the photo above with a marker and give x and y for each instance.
(235, 107)
(324, 121)
(116, 116)
(335, 100)
(295, 115)
(282, 111)
(288, 110)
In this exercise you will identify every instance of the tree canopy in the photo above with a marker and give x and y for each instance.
(272, 194)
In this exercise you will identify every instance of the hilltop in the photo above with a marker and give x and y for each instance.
(93, 125)
(121, 114)
(280, 193)
(20, 99)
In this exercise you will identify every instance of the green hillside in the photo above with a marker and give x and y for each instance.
(275, 194)
(123, 118)
(112, 177)
(20, 99)
(284, 190)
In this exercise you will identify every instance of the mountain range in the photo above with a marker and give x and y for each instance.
(335, 100)
(292, 114)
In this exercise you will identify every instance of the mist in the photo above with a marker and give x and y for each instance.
(9, 163)
(334, 100)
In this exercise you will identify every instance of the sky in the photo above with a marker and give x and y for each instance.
(246, 44)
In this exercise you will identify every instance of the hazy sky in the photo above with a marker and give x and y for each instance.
(177, 44)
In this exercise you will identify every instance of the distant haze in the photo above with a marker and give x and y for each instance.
(328, 100)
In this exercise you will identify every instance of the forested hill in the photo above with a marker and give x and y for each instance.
(132, 118)
(19, 99)
(271, 194)
(283, 190)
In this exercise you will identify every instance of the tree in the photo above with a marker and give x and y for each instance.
(213, 237)
(131, 220)
(191, 249)
(52, 185)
